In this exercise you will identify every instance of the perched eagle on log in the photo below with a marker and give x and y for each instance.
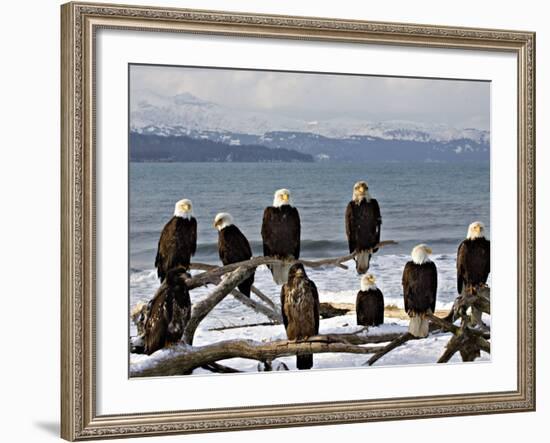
(168, 312)
(300, 308)
(233, 246)
(363, 221)
(473, 261)
(369, 304)
(281, 234)
(178, 240)
(419, 289)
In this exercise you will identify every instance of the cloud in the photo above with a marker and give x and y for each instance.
(459, 103)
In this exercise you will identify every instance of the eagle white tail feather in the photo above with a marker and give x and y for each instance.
(362, 262)
(280, 272)
(419, 326)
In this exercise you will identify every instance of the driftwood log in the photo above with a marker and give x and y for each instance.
(274, 315)
(201, 309)
(270, 311)
(233, 275)
(254, 289)
(185, 359)
(242, 326)
(469, 339)
(213, 273)
(395, 343)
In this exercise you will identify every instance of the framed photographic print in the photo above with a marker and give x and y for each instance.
(282, 221)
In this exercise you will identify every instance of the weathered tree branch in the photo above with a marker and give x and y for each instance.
(189, 358)
(213, 273)
(442, 323)
(254, 289)
(270, 313)
(468, 344)
(242, 326)
(263, 297)
(203, 308)
(390, 347)
(220, 369)
(340, 260)
(356, 339)
(467, 340)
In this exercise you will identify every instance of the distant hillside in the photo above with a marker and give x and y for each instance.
(366, 148)
(357, 148)
(156, 148)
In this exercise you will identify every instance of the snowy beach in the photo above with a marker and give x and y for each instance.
(230, 314)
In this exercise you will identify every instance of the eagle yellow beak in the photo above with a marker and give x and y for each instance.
(285, 197)
(428, 250)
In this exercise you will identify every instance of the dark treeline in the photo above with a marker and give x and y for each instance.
(155, 148)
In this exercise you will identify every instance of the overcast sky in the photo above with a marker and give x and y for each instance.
(458, 103)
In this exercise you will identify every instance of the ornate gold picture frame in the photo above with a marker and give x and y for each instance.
(80, 23)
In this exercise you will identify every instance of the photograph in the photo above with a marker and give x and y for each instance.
(286, 220)
(282, 217)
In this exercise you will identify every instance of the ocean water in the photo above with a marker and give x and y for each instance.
(429, 203)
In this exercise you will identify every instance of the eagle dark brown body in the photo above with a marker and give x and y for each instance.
(234, 247)
(281, 238)
(300, 309)
(369, 307)
(419, 287)
(363, 223)
(473, 262)
(281, 232)
(168, 313)
(419, 293)
(177, 244)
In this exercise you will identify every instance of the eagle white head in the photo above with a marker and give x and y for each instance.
(476, 230)
(281, 198)
(222, 220)
(361, 191)
(368, 282)
(421, 254)
(183, 209)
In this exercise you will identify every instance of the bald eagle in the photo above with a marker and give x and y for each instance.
(419, 289)
(168, 312)
(473, 261)
(281, 234)
(369, 304)
(363, 221)
(300, 308)
(233, 246)
(178, 240)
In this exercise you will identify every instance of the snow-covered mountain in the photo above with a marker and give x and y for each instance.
(171, 115)
(186, 114)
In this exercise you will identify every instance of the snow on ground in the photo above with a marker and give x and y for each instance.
(425, 351)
